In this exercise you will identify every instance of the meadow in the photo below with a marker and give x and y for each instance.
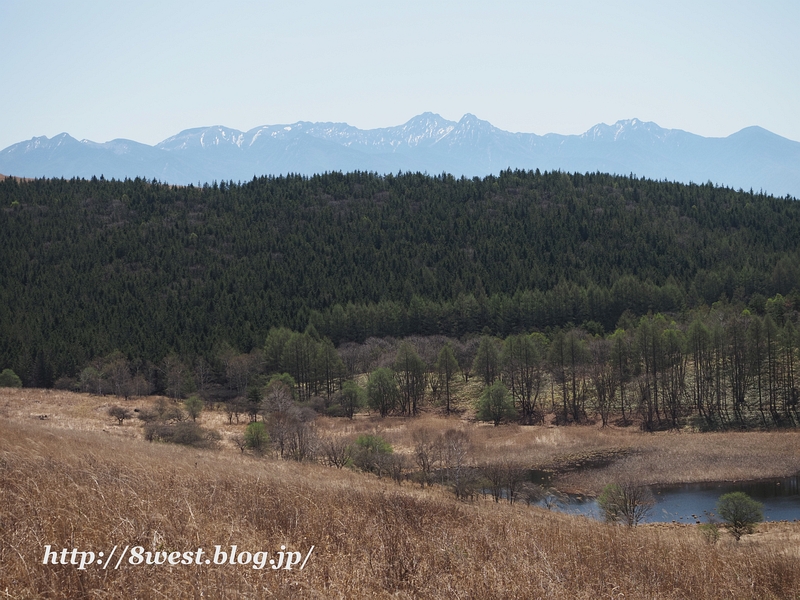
(70, 477)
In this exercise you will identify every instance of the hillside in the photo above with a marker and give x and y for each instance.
(149, 269)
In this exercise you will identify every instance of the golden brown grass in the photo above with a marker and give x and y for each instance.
(671, 457)
(663, 457)
(71, 486)
(67, 410)
(90, 490)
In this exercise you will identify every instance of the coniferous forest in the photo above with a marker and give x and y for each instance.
(152, 272)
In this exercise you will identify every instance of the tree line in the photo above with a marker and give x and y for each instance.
(716, 368)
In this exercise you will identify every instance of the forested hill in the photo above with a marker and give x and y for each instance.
(149, 269)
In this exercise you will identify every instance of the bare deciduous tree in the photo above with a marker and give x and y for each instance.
(495, 479)
(604, 377)
(336, 450)
(455, 458)
(203, 375)
(290, 427)
(117, 371)
(516, 474)
(626, 502)
(175, 375)
(427, 453)
(240, 442)
(240, 368)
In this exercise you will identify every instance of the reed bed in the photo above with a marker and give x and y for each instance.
(90, 489)
(587, 457)
(611, 452)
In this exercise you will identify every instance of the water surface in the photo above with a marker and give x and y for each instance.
(689, 502)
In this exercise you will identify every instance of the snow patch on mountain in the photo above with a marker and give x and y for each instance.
(752, 158)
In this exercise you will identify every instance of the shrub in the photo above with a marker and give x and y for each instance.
(119, 413)
(66, 383)
(371, 453)
(336, 451)
(240, 442)
(373, 443)
(10, 379)
(256, 437)
(710, 532)
(169, 412)
(626, 502)
(146, 415)
(335, 410)
(187, 433)
(740, 512)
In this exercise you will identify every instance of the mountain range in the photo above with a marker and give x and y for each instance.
(752, 158)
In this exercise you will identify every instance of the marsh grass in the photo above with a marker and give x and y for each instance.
(71, 481)
(670, 457)
(85, 489)
(586, 457)
(589, 457)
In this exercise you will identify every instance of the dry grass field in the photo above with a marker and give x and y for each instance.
(71, 478)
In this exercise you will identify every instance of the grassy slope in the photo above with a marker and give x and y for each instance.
(69, 485)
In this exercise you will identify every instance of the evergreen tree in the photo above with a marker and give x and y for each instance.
(495, 404)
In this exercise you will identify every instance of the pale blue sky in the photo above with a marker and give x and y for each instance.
(145, 70)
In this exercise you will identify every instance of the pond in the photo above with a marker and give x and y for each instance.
(689, 502)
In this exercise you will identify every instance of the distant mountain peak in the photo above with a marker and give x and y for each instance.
(752, 158)
(427, 117)
(470, 118)
(624, 128)
(203, 137)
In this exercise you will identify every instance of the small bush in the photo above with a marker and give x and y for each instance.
(336, 451)
(169, 412)
(10, 379)
(317, 404)
(187, 433)
(373, 443)
(710, 532)
(335, 410)
(69, 384)
(147, 416)
(119, 413)
(256, 437)
(372, 453)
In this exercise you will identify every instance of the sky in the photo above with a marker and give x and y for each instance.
(145, 70)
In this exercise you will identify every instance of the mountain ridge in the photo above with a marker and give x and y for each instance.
(752, 158)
